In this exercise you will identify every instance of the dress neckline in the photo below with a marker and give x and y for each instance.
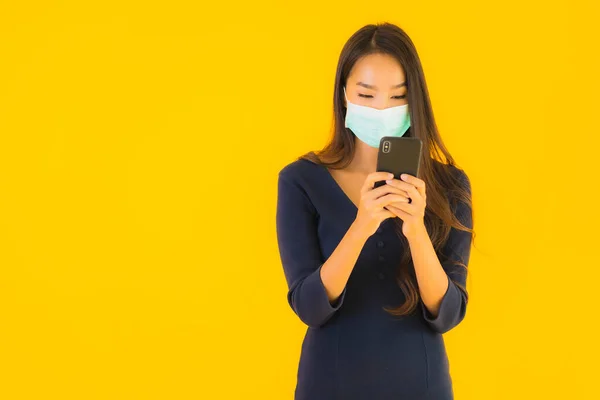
(336, 187)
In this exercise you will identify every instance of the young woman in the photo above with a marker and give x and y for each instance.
(377, 274)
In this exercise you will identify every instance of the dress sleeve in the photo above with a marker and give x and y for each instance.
(457, 248)
(301, 256)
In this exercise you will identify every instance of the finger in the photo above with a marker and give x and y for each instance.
(410, 209)
(413, 180)
(386, 189)
(398, 212)
(410, 189)
(398, 203)
(374, 177)
(416, 182)
(388, 199)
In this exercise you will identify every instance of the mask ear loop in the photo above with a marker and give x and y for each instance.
(346, 97)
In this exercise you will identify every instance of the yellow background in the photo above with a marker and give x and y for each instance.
(139, 149)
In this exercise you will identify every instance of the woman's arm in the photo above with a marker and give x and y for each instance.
(443, 302)
(317, 287)
(301, 256)
(338, 267)
(370, 214)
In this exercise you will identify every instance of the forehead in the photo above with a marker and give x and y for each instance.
(381, 70)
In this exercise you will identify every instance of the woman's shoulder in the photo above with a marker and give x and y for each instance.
(298, 169)
(457, 173)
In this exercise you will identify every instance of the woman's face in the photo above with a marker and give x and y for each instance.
(377, 81)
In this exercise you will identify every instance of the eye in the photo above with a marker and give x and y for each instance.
(368, 96)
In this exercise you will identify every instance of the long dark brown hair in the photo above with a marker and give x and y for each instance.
(444, 187)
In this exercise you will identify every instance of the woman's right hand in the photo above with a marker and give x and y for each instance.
(371, 211)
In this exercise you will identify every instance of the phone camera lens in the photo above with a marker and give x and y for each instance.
(386, 146)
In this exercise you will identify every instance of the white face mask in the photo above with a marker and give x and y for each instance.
(370, 124)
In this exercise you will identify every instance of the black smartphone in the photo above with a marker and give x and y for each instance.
(399, 155)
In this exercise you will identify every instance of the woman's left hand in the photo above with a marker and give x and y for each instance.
(412, 213)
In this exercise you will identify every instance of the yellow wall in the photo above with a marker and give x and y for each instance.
(139, 151)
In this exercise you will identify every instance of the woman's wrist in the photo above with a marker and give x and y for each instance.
(358, 232)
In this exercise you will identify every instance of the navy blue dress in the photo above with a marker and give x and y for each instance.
(353, 349)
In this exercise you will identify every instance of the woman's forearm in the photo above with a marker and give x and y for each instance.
(338, 267)
(431, 277)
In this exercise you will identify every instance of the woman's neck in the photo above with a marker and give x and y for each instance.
(365, 158)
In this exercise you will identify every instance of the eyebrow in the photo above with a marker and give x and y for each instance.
(375, 87)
